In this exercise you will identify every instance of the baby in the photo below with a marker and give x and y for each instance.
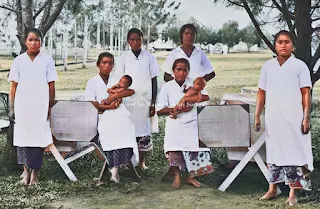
(198, 85)
(123, 84)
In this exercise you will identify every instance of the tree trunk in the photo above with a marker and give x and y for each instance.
(75, 40)
(65, 47)
(103, 35)
(119, 40)
(50, 42)
(98, 47)
(26, 13)
(304, 31)
(122, 38)
(140, 19)
(111, 36)
(24, 20)
(85, 42)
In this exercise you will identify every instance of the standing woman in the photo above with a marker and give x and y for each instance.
(142, 67)
(181, 141)
(284, 89)
(32, 93)
(200, 65)
(116, 130)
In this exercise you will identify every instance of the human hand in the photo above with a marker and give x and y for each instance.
(305, 126)
(257, 124)
(173, 114)
(152, 110)
(187, 108)
(115, 104)
(11, 114)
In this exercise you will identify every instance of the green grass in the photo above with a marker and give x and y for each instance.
(56, 191)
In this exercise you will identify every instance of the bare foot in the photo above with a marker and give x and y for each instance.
(25, 179)
(99, 183)
(269, 196)
(176, 182)
(292, 200)
(193, 182)
(23, 174)
(114, 179)
(34, 179)
(143, 166)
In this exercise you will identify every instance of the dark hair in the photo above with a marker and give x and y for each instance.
(286, 33)
(181, 60)
(136, 31)
(104, 54)
(129, 79)
(33, 30)
(186, 26)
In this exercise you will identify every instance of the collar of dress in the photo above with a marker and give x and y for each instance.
(195, 50)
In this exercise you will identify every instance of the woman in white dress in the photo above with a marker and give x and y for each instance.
(32, 93)
(181, 142)
(116, 130)
(143, 69)
(200, 65)
(284, 89)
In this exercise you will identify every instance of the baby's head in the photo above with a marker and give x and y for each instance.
(199, 84)
(125, 81)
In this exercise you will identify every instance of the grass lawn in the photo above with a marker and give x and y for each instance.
(233, 71)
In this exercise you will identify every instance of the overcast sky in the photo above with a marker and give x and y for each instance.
(214, 15)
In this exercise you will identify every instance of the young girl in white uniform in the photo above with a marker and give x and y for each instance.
(32, 92)
(142, 67)
(181, 141)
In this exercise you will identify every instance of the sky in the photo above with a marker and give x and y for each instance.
(214, 14)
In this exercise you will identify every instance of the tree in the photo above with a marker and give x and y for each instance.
(28, 12)
(248, 35)
(298, 16)
(173, 33)
(155, 12)
(229, 33)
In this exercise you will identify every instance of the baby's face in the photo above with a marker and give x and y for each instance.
(123, 83)
(198, 85)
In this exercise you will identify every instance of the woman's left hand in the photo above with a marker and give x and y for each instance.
(152, 110)
(305, 126)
